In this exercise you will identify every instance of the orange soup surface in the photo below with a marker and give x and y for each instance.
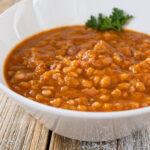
(77, 68)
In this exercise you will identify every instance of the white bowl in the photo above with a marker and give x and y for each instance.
(32, 16)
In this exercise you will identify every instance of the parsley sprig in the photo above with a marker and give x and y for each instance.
(114, 22)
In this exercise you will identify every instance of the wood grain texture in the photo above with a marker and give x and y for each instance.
(5, 4)
(61, 143)
(139, 140)
(18, 130)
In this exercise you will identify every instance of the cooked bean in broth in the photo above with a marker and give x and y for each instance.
(78, 68)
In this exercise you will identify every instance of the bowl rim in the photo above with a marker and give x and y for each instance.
(72, 113)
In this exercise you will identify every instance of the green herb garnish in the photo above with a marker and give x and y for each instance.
(115, 21)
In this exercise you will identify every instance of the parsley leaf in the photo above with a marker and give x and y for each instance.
(114, 22)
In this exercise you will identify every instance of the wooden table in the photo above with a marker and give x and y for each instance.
(20, 131)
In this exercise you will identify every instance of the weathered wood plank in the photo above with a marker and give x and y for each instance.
(139, 140)
(4, 4)
(61, 143)
(40, 137)
(18, 130)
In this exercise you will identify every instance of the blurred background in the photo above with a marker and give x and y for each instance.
(4, 4)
